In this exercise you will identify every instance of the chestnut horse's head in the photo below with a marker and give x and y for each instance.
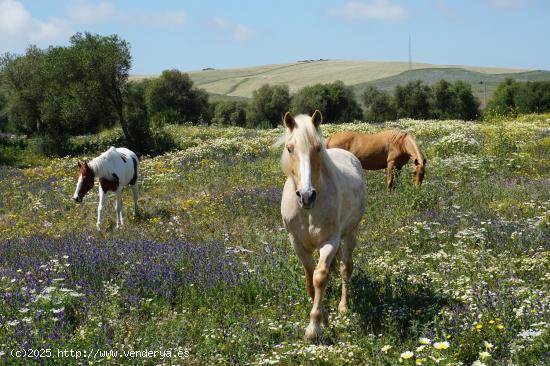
(302, 156)
(85, 181)
(419, 170)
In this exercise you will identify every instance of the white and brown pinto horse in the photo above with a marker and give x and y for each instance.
(322, 204)
(115, 168)
(387, 149)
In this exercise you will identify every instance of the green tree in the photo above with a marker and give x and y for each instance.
(504, 98)
(68, 90)
(267, 106)
(464, 104)
(105, 63)
(171, 98)
(23, 80)
(230, 113)
(533, 97)
(413, 100)
(335, 100)
(443, 100)
(379, 105)
(3, 111)
(135, 113)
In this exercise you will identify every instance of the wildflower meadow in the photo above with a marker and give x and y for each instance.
(456, 272)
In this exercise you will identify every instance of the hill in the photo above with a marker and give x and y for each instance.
(241, 82)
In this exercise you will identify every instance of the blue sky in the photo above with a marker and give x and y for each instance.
(192, 34)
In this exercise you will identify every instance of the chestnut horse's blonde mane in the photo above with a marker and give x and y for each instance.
(405, 142)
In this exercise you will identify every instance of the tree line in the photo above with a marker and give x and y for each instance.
(83, 88)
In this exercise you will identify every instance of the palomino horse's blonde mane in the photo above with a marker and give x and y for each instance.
(304, 136)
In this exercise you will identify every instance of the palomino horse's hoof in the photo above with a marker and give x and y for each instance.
(313, 333)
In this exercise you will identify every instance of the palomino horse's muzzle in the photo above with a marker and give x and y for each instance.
(306, 199)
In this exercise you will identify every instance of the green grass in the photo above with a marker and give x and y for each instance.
(207, 269)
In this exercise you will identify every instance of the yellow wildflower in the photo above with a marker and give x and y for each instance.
(441, 345)
(424, 340)
(386, 348)
(483, 355)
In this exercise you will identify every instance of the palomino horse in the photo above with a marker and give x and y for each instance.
(322, 204)
(115, 169)
(387, 149)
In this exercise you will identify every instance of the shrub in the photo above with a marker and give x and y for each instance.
(413, 100)
(229, 113)
(267, 106)
(379, 105)
(503, 101)
(335, 101)
(171, 98)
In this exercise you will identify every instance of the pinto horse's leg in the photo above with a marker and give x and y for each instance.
(346, 268)
(119, 219)
(306, 258)
(102, 197)
(320, 280)
(135, 196)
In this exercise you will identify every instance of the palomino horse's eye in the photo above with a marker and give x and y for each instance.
(290, 149)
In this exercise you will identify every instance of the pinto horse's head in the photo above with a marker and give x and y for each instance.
(302, 155)
(419, 170)
(85, 181)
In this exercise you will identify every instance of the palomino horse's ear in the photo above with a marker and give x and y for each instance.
(317, 118)
(290, 123)
(79, 165)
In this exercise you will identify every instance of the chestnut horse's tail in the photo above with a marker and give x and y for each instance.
(327, 141)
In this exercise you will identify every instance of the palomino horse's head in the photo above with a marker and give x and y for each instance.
(302, 156)
(85, 181)
(419, 170)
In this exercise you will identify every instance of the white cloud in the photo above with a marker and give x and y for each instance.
(239, 32)
(165, 19)
(18, 28)
(509, 3)
(84, 12)
(375, 9)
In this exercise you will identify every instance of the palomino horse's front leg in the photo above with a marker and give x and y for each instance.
(119, 219)
(102, 197)
(306, 258)
(320, 280)
(346, 268)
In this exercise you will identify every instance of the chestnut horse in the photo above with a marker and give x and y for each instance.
(386, 149)
(115, 169)
(322, 204)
